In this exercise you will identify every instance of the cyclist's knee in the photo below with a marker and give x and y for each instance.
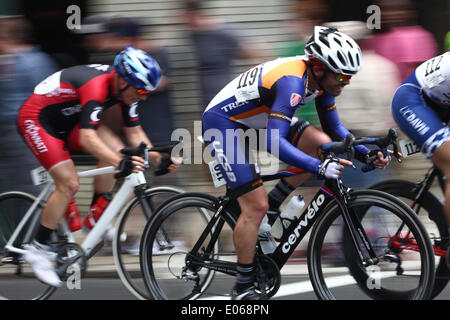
(69, 187)
(311, 140)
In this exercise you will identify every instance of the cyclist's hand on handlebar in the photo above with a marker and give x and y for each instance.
(164, 163)
(331, 168)
(381, 161)
(129, 165)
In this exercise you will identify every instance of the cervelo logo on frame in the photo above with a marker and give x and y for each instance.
(313, 208)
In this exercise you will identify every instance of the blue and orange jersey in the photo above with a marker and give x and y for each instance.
(268, 95)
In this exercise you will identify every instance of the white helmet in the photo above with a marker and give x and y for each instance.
(336, 50)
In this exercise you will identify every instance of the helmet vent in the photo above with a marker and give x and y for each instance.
(332, 63)
(338, 41)
(341, 58)
(351, 59)
(324, 40)
(350, 44)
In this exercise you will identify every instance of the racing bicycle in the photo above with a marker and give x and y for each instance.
(375, 243)
(20, 215)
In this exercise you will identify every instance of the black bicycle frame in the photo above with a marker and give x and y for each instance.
(329, 192)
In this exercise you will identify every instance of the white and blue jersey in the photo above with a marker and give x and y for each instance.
(421, 105)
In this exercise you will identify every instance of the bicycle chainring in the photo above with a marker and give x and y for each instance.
(268, 274)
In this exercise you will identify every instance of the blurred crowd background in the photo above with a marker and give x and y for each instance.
(201, 46)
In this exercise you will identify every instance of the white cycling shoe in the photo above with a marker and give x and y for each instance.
(37, 256)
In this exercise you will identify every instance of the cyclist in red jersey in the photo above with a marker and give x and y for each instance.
(64, 113)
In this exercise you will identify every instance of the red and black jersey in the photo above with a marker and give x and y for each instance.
(77, 95)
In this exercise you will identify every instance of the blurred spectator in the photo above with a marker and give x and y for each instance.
(365, 106)
(216, 45)
(95, 39)
(400, 39)
(22, 66)
(305, 15)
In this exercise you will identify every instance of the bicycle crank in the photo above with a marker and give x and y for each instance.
(268, 276)
(71, 261)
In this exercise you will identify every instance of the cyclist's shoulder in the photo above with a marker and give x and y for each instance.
(433, 77)
(292, 69)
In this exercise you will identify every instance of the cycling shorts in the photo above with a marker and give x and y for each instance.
(48, 148)
(232, 143)
(423, 122)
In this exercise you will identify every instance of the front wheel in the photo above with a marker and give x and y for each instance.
(405, 267)
(126, 242)
(17, 280)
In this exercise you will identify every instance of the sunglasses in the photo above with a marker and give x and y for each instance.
(142, 92)
(341, 77)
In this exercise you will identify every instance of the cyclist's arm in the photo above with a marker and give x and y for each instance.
(279, 123)
(91, 142)
(332, 125)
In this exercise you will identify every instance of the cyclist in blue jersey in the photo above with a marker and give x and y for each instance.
(421, 108)
(266, 97)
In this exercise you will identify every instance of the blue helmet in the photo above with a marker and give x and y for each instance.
(138, 68)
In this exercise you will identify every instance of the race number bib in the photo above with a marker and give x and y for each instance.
(216, 174)
(247, 86)
(39, 176)
(408, 147)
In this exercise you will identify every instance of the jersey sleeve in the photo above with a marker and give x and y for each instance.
(130, 114)
(289, 91)
(92, 98)
(329, 119)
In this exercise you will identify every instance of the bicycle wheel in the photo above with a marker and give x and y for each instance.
(130, 224)
(17, 278)
(405, 269)
(182, 221)
(431, 215)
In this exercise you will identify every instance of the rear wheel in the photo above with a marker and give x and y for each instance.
(175, 273)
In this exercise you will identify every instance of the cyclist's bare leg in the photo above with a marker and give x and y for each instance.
(441, 158)
(66, 180)
(254, 206)
(309, 142)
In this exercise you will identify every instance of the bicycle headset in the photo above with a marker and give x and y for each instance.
(333, 50)
(138, 69)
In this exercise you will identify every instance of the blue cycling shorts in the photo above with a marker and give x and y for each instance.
(425, 123)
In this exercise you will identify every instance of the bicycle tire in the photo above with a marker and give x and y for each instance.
(132, 220)
(380, 203)
(189, 206)
(433, 207)
(17, 277)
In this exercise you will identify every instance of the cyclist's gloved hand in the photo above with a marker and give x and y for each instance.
(125, 167)
(330, 169)
(164, 165)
